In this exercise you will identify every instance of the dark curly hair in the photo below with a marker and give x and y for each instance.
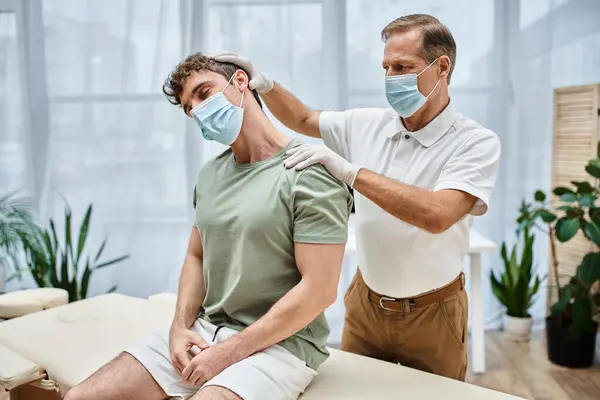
(173, 85)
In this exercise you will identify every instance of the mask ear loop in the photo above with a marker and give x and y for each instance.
(228, 82)
(437, 83)
(230, 79)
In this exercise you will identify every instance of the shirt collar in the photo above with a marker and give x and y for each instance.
(431, 132)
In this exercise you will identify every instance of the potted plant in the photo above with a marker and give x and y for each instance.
(61, 263)
(571, 327)
(516, 288)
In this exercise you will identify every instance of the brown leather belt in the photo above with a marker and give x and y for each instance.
(422, 300)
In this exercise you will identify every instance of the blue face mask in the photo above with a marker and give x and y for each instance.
(218, 119)
(403, 93)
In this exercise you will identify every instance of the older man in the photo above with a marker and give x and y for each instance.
(262, 264)
(420, 172)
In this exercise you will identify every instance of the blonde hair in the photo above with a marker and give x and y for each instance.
(436, 39)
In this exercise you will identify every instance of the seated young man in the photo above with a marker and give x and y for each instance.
(262, 265)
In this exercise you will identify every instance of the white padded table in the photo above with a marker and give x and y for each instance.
(70, 342)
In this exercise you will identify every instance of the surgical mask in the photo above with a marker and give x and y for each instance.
(218, 119)
(403, 93)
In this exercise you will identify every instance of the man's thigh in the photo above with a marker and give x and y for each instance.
(434, 339)
(272, 374)
(122, 378)
(363, 331)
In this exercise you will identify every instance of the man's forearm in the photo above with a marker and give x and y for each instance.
(295, 310)
(290, 111)
(191, 292)
(411, 204)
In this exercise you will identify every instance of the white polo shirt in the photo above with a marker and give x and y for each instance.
(452, 152)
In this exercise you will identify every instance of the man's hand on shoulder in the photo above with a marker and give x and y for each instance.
(303, 156)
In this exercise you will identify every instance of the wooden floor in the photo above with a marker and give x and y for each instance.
(523, 369)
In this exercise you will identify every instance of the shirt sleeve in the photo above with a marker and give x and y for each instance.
(334, 129)
(322, 207)
(473, 169)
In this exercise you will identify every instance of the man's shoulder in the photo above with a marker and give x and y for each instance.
(317, 182)
(369, 114)
(359, 114)
(471, 132)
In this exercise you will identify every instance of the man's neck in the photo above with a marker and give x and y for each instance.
(258, 140)
(433, 107)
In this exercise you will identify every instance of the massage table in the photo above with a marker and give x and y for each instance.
(46, 352)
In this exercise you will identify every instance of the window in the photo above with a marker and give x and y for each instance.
(12, 143)
(113, 134)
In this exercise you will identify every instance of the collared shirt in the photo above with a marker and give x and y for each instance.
(452, 152)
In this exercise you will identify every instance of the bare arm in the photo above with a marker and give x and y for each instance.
(319, 266)
(191, 284)
(433, 211)
(288, 109)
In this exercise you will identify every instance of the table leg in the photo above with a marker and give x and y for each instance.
(477, 326)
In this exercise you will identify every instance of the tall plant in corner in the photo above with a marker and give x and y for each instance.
(571, 326)
(63, 263)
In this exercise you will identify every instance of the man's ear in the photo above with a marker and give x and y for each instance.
(242, 79)
(444, 65)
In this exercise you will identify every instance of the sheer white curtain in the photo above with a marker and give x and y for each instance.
(82, 114)
(12, 146)
(112, 138)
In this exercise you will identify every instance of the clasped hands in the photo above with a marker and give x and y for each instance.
(305, 155)
(199, 369)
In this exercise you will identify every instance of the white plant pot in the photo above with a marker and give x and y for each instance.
(517, 329)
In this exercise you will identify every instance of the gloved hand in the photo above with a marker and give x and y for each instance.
(306, 154)
(258, 81)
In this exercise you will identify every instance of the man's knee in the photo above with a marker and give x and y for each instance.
(76, 393)
(216, 393)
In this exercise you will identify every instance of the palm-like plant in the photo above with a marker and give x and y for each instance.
(62, 262)
(17, 228)
(516, 288)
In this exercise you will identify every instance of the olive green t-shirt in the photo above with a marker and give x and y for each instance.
(249, 216)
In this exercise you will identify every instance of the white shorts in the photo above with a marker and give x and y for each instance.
(272, 374)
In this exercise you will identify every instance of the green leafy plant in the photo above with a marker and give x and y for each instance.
(62, 263)
(515, 288)
(17, 228)
(575, 210)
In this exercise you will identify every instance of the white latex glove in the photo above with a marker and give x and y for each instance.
(302, 156)
(258, 81)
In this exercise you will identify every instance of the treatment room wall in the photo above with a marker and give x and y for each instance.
(87, 76)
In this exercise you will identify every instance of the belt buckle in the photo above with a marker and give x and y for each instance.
(412, 305)
(381, 299)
